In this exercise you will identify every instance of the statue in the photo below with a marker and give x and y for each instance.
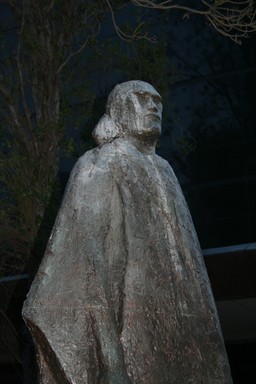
(122, 295)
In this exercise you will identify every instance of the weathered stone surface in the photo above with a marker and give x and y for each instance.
(122, 295)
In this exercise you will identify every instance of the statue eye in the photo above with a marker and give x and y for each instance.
(142, 95)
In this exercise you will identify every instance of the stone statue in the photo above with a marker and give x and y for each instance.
(122, 294)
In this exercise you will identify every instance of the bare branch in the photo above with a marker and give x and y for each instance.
(8, 98)
(72, 54)
(125, 36)
(167, 5)
(50, 6)
(234, 19)
(25, 134)
(21, 81)
(64, 41)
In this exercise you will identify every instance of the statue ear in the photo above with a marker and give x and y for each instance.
(105, 131)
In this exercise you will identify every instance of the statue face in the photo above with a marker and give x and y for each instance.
(142, 112)
(148, 112)
(136, 108)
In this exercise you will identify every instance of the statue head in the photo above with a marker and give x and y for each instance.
(133, 109)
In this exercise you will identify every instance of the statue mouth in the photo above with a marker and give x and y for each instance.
(154, 116)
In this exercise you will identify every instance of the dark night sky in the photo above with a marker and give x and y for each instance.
(209, 135)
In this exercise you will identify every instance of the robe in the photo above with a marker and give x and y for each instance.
(122, 294)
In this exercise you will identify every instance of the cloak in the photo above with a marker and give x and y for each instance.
(122, 294)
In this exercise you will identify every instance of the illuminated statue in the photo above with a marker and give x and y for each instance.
(122, 295)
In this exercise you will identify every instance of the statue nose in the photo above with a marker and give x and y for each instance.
(152, 106)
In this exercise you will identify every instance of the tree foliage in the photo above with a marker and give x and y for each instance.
(49, 34)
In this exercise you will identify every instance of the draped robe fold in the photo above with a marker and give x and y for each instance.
(122, 288)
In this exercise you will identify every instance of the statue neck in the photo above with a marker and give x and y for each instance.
(146, 146)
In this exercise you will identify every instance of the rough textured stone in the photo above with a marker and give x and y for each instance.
(122, 295)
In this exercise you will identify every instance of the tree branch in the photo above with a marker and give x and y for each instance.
(234, 19)
(21, 80)
(13, 112)
(72, 54)
(125, 36)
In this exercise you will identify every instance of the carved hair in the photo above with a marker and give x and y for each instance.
(106, 130)
(111, 125)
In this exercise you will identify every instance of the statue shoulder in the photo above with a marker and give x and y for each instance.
(162, 163)
(95, 163)
(166, 169)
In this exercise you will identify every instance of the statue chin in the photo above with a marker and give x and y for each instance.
(151, 132)
(148, 127)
